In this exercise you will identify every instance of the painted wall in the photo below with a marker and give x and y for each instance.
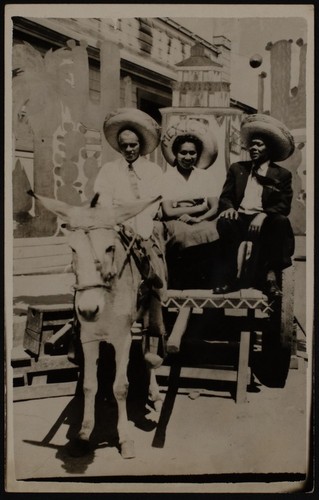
(52, 94)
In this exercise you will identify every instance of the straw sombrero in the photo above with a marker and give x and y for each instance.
(281, 142)
(135, 120)
(198, 127)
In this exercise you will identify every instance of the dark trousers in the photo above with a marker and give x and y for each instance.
(193, 267)
(273, 246)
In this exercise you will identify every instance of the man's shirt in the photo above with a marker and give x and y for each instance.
(116, 184)
(252, 200)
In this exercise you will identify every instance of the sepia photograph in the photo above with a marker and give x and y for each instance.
(159, 241)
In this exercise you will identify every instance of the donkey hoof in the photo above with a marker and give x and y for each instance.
(79, 447)
(127, 449)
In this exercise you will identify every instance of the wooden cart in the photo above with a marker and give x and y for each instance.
(253, 311)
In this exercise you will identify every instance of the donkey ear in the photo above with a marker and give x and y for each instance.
(58, 207)
(94, 200)
(128, 210)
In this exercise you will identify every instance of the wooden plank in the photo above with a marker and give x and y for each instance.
(54, 322)
(18, 355)
(33, 263)
(174, 341)
(39, 380)
(235, 312)
(251, 293)
(50, 363)
(242, 372)
(41, 271)
(57, 338)
(38, 242)
(44, 391)
(232, 295)
(53, 307)
(19, 378)
(41, 251)
(35, 318)
(210, 372)
(32, 342)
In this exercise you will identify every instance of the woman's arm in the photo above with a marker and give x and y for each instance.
(209, 214)
(172, 212)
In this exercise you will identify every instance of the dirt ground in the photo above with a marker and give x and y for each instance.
(207, 435)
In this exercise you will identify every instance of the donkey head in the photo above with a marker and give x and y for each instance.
(92, 239)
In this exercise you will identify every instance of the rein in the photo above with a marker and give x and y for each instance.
(127, 250)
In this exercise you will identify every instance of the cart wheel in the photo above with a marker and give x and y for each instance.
(279, 333)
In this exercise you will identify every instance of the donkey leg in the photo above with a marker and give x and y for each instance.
(91, 354)
(120, 389)
(81, 444)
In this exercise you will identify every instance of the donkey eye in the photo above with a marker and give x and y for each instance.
(109, 249)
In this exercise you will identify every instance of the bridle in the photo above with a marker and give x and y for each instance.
(127, 242)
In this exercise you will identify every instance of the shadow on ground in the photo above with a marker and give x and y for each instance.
(75, 460)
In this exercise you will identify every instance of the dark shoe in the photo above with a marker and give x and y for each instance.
(226, 288)
(272, 289)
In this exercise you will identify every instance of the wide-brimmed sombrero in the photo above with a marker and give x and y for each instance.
(198, 127)
(279, 139)
(135, 120)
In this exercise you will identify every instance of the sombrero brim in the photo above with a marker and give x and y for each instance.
(198, 129)
(281, 142)
(135, 120)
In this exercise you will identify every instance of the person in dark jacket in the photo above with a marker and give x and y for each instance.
(254, 206)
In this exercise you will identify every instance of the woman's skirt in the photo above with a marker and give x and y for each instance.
(182, 235)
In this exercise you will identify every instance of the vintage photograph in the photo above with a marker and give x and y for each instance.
(159, 192)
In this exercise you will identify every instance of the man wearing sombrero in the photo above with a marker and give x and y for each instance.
(133, 134)
(130, 177)
(254, 205)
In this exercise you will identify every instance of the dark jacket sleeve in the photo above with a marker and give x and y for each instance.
(279, 202)
(227, 198)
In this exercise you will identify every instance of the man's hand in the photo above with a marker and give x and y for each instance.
(230, 213)
(256, 223)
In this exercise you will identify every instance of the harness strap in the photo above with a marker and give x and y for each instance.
(127, 250)
(135, 249)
